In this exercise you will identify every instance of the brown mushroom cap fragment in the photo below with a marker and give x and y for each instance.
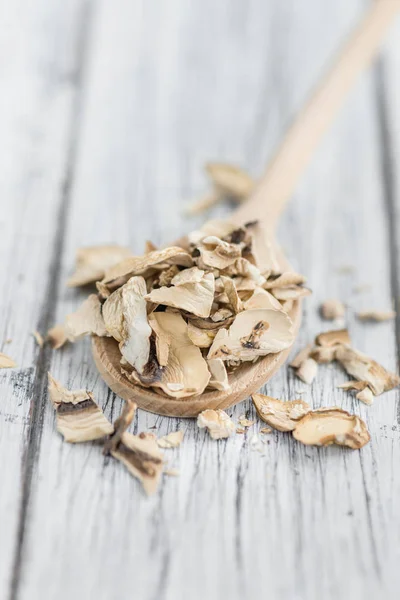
(186, 373)
(332, 309)
(376, 315)
(92, 263)
(87, 320)
(219, 376)
(363, 368)
(279, 414)
(328, 426)
(195, 298)
(217, 422)
(6, 362)
(79, 418)
(332, 338)
(125, 318)
(142, 265)
(253, 333)
(172, 440)
(57, 336)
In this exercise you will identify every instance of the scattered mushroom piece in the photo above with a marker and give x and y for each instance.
(88, 319)
(217, 422)
(195, 298)
(332, 338)
(292, 292)
(244, 422)
(94, 261)
(186, 373)
(301, 356)
(307, 371)
(219, 376)
(366, 369)
(140, 455)
(172, 440)
(376, 315)
(38, 338)
(364, 393)
(57, 336)
(265, 430)
(172, 472)
(323, 354)
(280, 414)
(366, 396)
(332, 309)
(6, 362)
(218, 227)
(327, 426)
(79, 418)
(353, 385)
(284, 280)
(253, 333)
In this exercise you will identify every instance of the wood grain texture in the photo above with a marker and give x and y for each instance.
(167, 86)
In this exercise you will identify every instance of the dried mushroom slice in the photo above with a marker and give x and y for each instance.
(292, 292)
(166, 277)
(195, 298)
(262, 299)
(217, 254)
(186, 373)
(202, 338)
(332, 309)
(328, 426)
(376, 315)
(94, 261)
(324, 354)
(143, 265)
(253, 333)
(6, 362)
(233, 298)
(221, 315)
(219, 375)
(301, 356)
(307, 371)
(192, 275)
(365, 396)
(172, 440)
(262, 250)
(364, 392)
(216, 227)
(79, 418)
(245, 269)
(363, 368)
(87, 320)
(283, 280)
(218, 424)
(230, 180)
(57, 336)
(280, 414)
(332, 338)
(353, 385)
(163, 341)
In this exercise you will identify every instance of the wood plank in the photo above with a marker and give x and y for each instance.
(169, 88)
(37, 82)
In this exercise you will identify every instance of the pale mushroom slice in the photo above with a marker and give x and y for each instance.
(186, 373)
(142, 265)
(217, 227)
(262, 299)
(366, 396)
(140, 455)
(307, 371)
(163, 341)
(87, 320)
(332, 309)
(324, 354)
(192, 275)
(262, 251)
(245, 269)
(217, 254)
(301, 356)
(376, 315)
(364, 368)
(6, 362)
(125, 318)
(327, 426)
(221, 315)
(253, 333)
(172, 440)
(233, 298)
(92, 263)
(203, 338)
(57, 336)
(219, 376)
(280, 414)
(291, 292)
(166, 277)
(333, 338)
(218, 424)
(195, 298)
(364, 392)
(284, 280)
(79, 418)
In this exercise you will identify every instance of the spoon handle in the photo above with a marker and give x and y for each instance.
(300, 141)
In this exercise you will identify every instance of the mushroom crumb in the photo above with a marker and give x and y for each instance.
(79, 418)
(6, 362)
(172, 440)
(332, 309)
(376, 315)
(57, 336)
(217, 422)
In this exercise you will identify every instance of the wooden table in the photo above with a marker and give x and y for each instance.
(109, 110)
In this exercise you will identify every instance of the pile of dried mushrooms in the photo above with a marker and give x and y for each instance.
(186, 316)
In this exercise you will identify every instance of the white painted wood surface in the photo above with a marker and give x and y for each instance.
(108, 112)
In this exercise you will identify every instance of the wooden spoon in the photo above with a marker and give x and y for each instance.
(266, 205)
